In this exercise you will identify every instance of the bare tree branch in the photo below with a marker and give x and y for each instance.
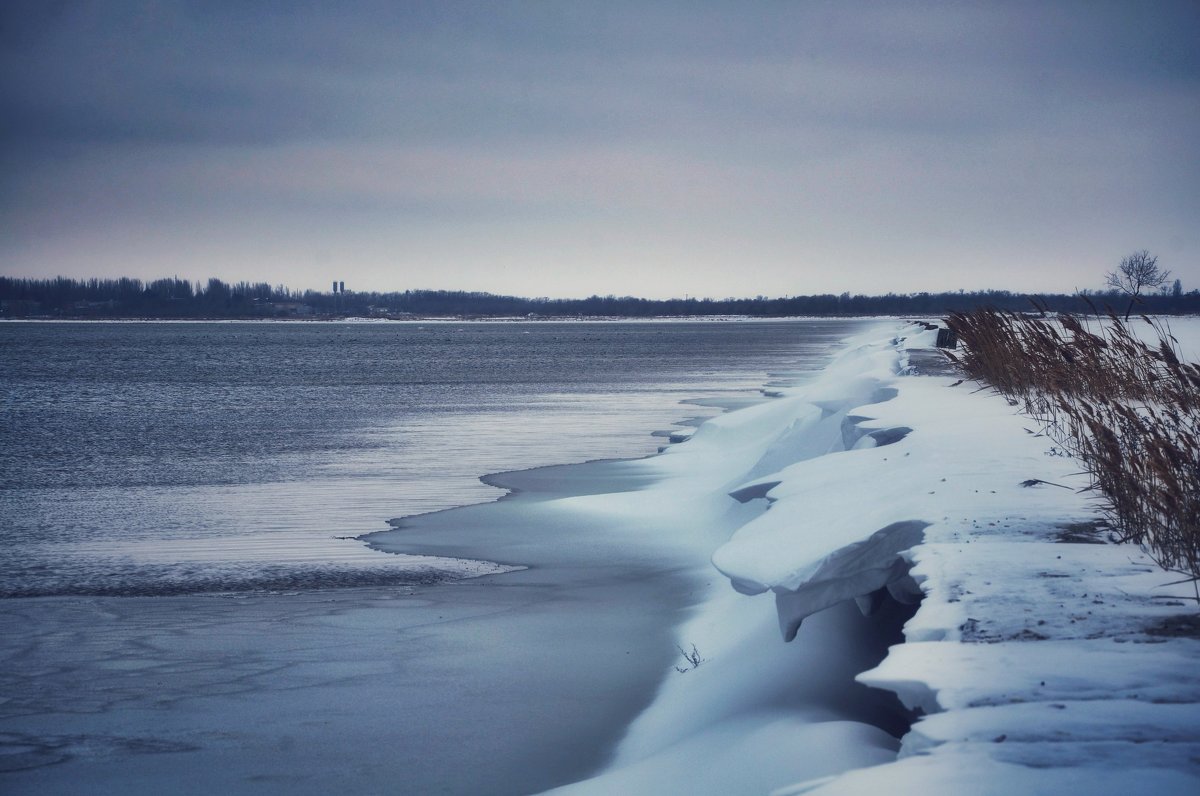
(1137, 272)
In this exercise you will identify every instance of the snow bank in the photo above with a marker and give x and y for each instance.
(1043, 659)
(756, 714)
(1020, 590)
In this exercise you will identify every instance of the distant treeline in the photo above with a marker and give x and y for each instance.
(179, 298)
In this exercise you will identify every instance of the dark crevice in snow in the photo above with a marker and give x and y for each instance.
(864, 643)
(889, 436)
(753, 491)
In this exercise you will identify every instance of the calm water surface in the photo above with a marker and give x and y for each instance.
(156, 458)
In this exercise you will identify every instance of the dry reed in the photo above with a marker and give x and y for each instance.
(1130, 411)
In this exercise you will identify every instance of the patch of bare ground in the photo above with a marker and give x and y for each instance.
(1091, 532)
(1186, 626)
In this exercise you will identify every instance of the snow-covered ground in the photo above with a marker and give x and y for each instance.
(1041, 660)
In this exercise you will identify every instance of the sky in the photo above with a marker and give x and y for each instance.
(567, 149)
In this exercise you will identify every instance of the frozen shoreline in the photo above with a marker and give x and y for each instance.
(888, 486)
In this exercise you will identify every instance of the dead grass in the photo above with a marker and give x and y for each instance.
(1130, 411)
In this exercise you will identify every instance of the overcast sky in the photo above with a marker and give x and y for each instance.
(569, 148)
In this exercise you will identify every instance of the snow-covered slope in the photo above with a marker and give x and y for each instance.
(1045, 660)
(1042, 659)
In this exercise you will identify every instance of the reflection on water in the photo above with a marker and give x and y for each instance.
(161, 458)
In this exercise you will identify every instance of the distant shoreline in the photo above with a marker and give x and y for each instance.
(180, 299)
(452, 320)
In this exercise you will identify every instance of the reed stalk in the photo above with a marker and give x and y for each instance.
(1127, 409)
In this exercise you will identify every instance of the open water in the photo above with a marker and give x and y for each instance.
(164, 458)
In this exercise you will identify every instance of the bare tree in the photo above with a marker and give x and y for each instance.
(1137, 272)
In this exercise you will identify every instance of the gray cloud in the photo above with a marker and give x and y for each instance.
(917, 145)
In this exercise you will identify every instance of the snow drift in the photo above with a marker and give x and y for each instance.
(877, 487)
